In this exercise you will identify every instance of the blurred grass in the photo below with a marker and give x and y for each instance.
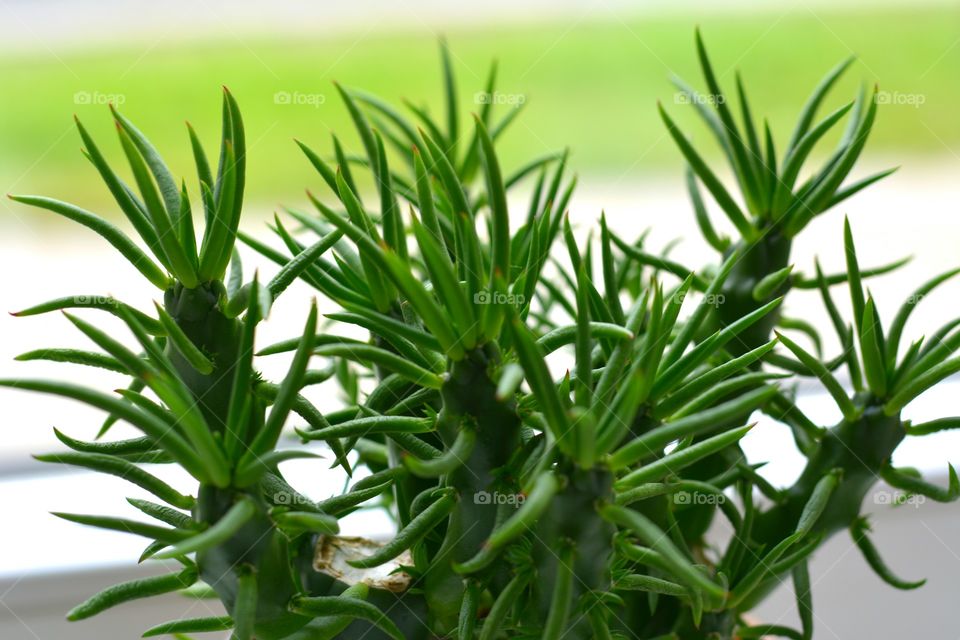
(592, 86)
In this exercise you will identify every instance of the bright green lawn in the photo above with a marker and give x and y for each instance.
(592, 87)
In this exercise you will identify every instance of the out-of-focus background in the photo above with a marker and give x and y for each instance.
(588, 75)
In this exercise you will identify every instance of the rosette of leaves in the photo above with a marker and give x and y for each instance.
(774, 204)
(196, 397)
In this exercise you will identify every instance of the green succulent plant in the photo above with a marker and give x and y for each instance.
(527, 505)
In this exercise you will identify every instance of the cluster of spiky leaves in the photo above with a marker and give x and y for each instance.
(531, 506)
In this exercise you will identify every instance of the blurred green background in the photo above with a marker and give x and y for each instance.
(591, 86)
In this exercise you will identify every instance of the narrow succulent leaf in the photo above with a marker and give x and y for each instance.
(771, 283)
(563, 336)
(245, 605)
(166, 235)
(115, 466)
(660, 542)
(107, 231)
(696, 319)
(124, 525)
(679, 459)
(801, 282)
(538, 377)
(505, 601)
(833, 386)
(103, 303)
(638, 582)
(204, 175)
(133, 590)
(425, 199)
(164, 179)
(415, 530)
(300, 263)
(907, 482)
(510, 378)
(740, 154)
(917, 382)
(384, 325)
(856, 187)
(184, 345)
(545, 487)
(171, 390)
(871, 348)
(610, 277)
(447, 285)
(794, 160)
(74, 356)
(754, 152)
(386, 359)
(267, 438)
(467, 621)
(933, 426)
(116, 447)
(724, 390)
(903, 314)
(703, 383)
(657, 262)
(217, 237)
(762, 569)
(190, 625)
(164, 434)
(817, 503)
(584, 346)
(703, 217)
(238, 408)
(672, 373)
(218, 533)
(556, 623)
(453, 457)
(392, 224)
(130, 206)
(500, 241)
(163, 513)
(450, 96)
(859, 531)
(701, 103)
(809, 111)
(330, 626)
(440, 164)
(815, 200)
(854, 276)
(354, 608)
(297, 522)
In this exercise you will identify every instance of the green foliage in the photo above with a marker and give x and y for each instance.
(527, 504)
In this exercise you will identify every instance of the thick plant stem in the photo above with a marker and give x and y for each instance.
(469, 398)
(572, 519)
(760, 258)
(859, 449)
(258, 545)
